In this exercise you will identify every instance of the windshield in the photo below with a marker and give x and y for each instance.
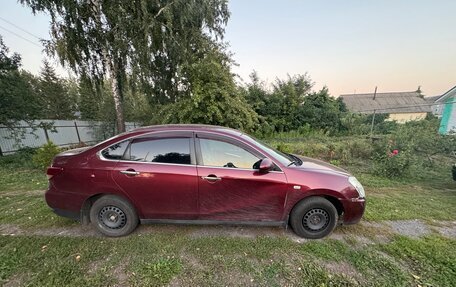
(278, 155)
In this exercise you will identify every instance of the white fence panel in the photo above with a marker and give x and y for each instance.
(64, 133)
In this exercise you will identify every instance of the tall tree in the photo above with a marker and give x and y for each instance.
(214, 97)
(143, 41)
(321, 111)
(292, 104)
(88, 103)
(54, 95)
(283, 106)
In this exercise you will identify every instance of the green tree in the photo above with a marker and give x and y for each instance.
(214, 97)
(292, 105)
(256, 93)
(284, 105)
(321, 111)
(142, 42)
(88, 100)
(18, 99)
(54, 95)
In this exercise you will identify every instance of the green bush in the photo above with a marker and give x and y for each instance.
(44, 155)
(359, 148)
(392, 165)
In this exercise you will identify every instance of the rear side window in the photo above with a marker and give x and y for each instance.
(116, 151)
(171, 150)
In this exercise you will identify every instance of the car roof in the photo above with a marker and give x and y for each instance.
(191, 127)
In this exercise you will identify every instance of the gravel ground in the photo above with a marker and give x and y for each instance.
(411, 228)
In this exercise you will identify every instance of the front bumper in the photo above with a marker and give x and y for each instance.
(353, 210)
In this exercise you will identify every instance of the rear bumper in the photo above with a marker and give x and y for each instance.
(353, 210)
(63, 203)
(67, 214)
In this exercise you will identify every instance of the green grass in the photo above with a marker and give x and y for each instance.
(432, 198)
(156, 260)
(22, 198)
(410, 202)
(21, 179)
(28, 209)
(431, 260)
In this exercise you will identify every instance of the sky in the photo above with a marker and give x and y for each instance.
(348, 46)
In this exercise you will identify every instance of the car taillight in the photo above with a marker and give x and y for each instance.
(51, 171)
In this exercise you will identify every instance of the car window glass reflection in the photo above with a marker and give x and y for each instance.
(116, 151)
(222, 154)
(160, 150)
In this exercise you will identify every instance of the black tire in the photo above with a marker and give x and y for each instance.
(313, 218)
(113, 216)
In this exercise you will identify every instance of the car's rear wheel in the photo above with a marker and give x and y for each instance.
(313, 218)
(113, 216)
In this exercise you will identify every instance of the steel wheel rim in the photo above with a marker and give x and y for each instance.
(112, 217)
(315, 220)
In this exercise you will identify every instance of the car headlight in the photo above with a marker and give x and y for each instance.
(357, 185)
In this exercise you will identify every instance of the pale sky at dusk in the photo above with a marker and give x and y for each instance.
(346, 45)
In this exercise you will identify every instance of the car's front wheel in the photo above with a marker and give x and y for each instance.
(113, 216)
(313, 218)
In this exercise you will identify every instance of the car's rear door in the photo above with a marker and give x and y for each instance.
(159, 172)
(231, 188)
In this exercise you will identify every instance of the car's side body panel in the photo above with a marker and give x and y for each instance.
(162, 190)
(241, 195)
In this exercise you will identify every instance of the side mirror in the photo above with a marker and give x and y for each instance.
(266, 165)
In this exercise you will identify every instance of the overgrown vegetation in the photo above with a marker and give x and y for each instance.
(44, 155)
(411, 150)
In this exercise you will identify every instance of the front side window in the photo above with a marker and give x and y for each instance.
(116, 151)
(280, 156)
(171, 150)
(223, 154)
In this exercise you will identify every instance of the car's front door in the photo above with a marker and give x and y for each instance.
(231, 188)
(159, 172)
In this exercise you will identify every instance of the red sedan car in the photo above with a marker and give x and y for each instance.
(199, 174)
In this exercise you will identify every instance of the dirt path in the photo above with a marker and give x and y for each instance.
(365, 232)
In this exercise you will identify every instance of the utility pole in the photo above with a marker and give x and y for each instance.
(373, 115)
(372, 124)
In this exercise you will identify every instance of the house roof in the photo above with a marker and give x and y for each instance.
(432, 99)
(392, 103)
(450, 93)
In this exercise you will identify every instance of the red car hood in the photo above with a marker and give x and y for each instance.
(315, 164)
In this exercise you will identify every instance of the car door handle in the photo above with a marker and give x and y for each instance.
(129, 172)
(211, 178)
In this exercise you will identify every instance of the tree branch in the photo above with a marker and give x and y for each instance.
(163, 8)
